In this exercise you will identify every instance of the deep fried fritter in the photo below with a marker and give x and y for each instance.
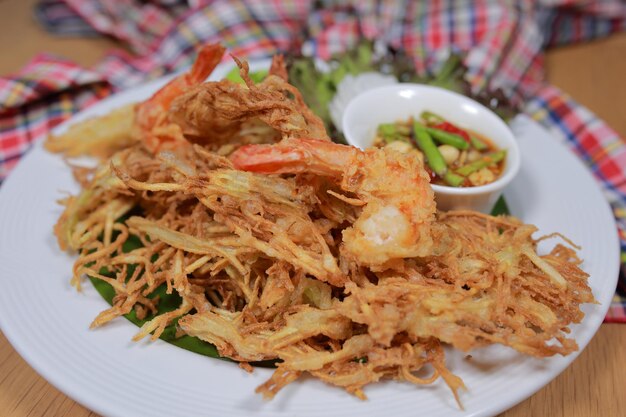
(261, 263)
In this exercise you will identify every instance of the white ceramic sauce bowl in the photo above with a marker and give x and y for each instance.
(392, 103)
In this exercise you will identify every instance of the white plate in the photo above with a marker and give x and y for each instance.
(47, 321)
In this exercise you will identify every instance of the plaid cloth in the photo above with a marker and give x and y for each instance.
(503, 41)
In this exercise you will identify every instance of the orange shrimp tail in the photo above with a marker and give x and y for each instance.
(208, 58)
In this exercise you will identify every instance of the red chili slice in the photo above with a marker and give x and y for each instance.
(449, 127)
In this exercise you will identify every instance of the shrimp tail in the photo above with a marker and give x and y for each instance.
(208, 59)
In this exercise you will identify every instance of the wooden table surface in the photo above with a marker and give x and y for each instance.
(592, 73)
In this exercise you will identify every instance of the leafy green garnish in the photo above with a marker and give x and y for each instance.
(318, 87)
(501, 208)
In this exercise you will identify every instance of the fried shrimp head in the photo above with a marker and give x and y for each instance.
(221, 111)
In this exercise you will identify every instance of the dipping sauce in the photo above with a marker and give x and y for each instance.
(453, 156)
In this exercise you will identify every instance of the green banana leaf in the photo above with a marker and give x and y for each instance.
(168, 302)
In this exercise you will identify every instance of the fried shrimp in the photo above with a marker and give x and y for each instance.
(398, 203)
(218, 112)
(329, 260)
(152, 123)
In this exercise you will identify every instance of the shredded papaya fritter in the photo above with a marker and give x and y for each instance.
(331, 260)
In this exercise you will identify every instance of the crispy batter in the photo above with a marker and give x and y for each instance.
(268, 266)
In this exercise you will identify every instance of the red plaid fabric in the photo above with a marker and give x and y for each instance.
(138, 24)
(43, 94)
(503, 42)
